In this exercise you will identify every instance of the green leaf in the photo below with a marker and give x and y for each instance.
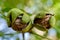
(26, 18)
(52, 21)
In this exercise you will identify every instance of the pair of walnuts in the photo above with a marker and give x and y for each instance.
(16, 15)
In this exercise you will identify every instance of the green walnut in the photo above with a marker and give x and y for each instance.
(43, 23)
(19, 20)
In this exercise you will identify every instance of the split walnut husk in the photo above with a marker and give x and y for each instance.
(19, 20)
(43, 23)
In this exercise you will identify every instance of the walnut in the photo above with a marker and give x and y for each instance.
(44, 21)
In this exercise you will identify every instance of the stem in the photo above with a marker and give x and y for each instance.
(23, 36)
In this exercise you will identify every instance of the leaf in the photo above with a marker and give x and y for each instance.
(52, 21)
(26, 18)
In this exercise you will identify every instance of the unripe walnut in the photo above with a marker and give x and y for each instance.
(44, 22)
(19, 20)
